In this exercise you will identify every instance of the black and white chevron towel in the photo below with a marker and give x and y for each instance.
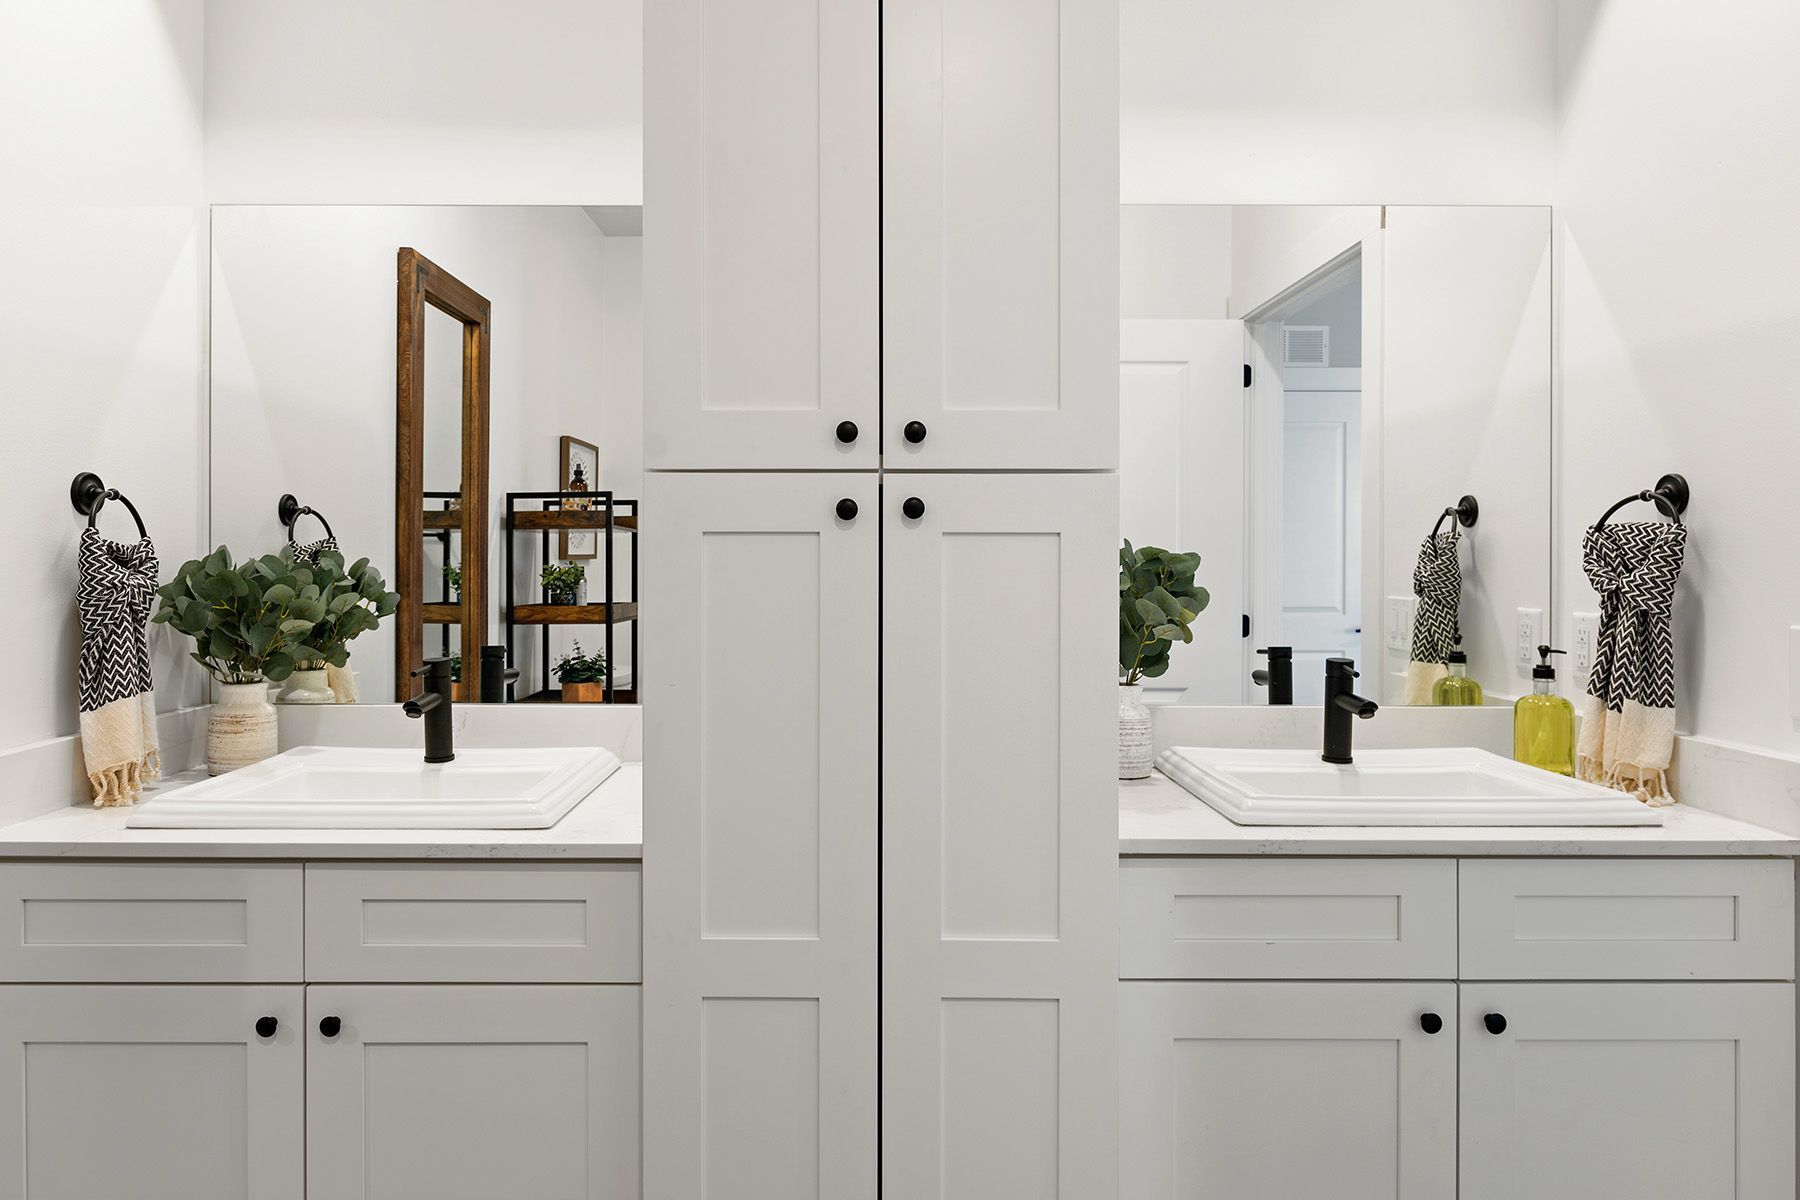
(113, 596)
(1628, 713)
(307, 553)
(1437, 582)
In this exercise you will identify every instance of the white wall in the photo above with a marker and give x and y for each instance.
(1677, 193)
(1306, 101)
(303, 375)
(1174, 261)
(102, 249)
(424, 101)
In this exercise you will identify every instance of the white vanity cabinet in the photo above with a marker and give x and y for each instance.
(1568, 1029)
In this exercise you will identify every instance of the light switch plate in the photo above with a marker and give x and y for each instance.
(1584, 637)
(1794, 671)
(1530, 637)
(1397, 623)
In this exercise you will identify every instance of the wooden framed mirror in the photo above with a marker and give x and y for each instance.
(440, 469)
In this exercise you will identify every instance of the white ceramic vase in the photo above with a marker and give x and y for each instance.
(241, 727)
(308, 687)
(1134, 733)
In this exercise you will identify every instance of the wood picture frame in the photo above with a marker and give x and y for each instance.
(570, 451)
(421, 282)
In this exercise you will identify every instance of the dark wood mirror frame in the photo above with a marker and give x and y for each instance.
(423, 282)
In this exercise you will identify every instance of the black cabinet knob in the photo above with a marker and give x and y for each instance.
(846, 509)
(329, 1026)
(913, 507)
(1496, 1024)
(1430, 1022)
(266, 1027)
(846, 432)
(914, 432)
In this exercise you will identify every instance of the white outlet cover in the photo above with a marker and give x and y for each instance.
(1584, 637)
(1530, 637)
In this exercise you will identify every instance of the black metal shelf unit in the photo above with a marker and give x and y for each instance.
(605, 514)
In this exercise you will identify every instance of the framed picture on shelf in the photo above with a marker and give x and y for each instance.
(578, 471)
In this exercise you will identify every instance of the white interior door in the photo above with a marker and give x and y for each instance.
(156, 1093)
(1182, 407)
(1665, 1091)
(1321, 534)
(1000, 838)
(760, 832)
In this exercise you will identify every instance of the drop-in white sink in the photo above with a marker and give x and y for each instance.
(1453, 786)
(331, 787)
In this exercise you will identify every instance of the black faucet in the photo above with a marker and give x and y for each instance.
(1279, 678)
(433, 704)
(1340, 705)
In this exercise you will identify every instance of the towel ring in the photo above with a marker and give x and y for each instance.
(1465, 511)
(1670, 495)
(89, 495)
(291, 510)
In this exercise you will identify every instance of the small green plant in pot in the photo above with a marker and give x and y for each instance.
(1158, 601)
(453, 578)
(562, 582)
(582, 676)
(356, 600)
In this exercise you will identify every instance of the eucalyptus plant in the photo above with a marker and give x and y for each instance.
(248, 622)
(1158, 599)
(355, 602)
(577, 667)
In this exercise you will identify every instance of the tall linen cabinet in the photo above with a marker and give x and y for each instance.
(881, 413)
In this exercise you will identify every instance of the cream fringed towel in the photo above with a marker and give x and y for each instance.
(1437, 582)
(1628, 714)
(116, 587)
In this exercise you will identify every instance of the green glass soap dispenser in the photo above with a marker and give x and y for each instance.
(1544, 722)
(1456, 688)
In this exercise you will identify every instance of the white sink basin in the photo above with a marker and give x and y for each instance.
(1454, 786)
(329, 787)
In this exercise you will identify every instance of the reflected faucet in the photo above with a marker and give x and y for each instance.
(433, 704)
(1340, 705)
(1279, 677)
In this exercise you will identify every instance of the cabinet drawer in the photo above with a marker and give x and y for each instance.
(152, 922)
(1627, 919)
(476, 923)
(1235, 918)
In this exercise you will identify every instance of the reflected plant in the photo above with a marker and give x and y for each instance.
(1158, 599)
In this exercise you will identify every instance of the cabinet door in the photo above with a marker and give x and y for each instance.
(1000, 243)
(1000, 837)
(156, 1093)
(441, 1092)
(761, 233)
(760, 825)
(1665, 1091)
(1240, 1090)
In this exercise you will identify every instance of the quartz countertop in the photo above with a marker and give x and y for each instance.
(1159, 817)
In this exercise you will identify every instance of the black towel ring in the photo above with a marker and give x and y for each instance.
(89, 495)
(1670, 495)
(291, 510)
(1465, 511)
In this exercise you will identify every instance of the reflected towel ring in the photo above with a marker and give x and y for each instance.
(1670, 495)
(89, 495)
(291, 510)
(1465, 511)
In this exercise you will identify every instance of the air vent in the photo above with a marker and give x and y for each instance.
(1306, 345)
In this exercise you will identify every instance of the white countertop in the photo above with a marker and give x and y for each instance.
(607, 825)
(1159, 817)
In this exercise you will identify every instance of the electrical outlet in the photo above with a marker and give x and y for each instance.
(1584, 638)
(1530, 637)
(1398, 623)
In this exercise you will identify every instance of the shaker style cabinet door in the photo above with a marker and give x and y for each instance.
(1656, 1091)
(1000, 243)
(453, 1092)
(761, 234)
(156, 1093)
(1237, 1091)
(760, 827)
(999, 837)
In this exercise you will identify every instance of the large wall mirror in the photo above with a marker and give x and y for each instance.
(455, 391)
(1346, 412)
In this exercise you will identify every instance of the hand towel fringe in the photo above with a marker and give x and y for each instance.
(120, 785)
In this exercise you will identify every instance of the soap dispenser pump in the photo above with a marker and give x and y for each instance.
(1457, 688)
(1544, 722)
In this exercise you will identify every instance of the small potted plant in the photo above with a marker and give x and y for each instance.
(563, 582)
(355, 602)
(453, 578)
(1157, 600)
(583, 676)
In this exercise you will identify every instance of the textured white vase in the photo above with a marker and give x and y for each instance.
(308, 687)
(241, 727)
(1134, 733)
